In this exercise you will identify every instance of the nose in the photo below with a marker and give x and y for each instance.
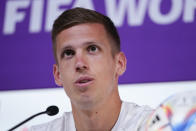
(81, 62)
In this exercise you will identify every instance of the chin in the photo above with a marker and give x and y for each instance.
(86, 102)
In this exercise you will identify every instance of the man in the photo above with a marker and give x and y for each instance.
(88, 64)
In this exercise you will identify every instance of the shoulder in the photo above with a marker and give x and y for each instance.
(58, 124)
(133, 117)
(136, 111)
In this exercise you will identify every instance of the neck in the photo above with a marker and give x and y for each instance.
(102, 116)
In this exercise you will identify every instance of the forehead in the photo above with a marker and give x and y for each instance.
(82, 33)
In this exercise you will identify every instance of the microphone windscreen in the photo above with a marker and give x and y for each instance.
(52, 110)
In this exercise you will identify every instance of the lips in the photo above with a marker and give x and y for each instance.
(84, 81)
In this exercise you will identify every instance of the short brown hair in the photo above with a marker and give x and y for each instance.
(78, 16)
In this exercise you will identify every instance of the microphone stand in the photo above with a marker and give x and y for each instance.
(51, 111)
(27, 120)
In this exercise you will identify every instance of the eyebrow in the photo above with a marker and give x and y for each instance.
(90, 42)
(67, 47)
(83, 44)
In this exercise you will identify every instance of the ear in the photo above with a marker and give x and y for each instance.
(121, 63)
(57, 75)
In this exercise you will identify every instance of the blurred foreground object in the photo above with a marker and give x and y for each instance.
(177, 113)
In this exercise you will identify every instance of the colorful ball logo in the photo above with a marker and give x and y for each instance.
(177, 113)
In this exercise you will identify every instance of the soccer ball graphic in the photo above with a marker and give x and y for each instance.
(177, 113)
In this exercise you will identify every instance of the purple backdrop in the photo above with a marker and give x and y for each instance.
(158, 38)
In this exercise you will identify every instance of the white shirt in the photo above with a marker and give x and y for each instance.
(132, 118)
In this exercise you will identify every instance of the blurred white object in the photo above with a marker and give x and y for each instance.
(16, 106)
(177, 113)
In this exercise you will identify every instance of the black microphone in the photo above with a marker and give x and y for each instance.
(51, 111)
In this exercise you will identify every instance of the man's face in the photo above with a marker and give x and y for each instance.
(86, 68)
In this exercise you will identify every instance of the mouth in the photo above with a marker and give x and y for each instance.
(83, 82)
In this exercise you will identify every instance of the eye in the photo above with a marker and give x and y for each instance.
(68, 53)
(92, 48)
